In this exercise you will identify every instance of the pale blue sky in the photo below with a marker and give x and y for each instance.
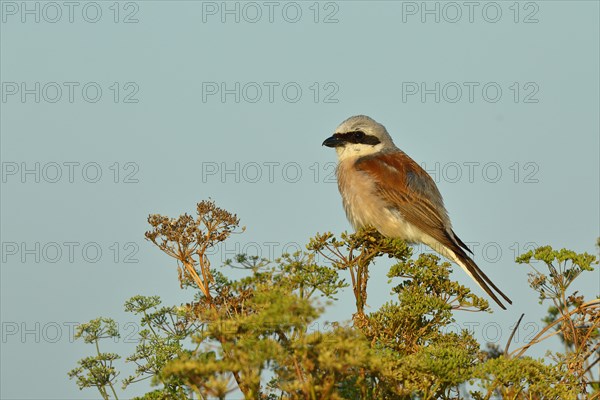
(173, 145)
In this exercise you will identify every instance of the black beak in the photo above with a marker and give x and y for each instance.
(333, 141)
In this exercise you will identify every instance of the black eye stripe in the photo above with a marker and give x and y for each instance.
(358, 137)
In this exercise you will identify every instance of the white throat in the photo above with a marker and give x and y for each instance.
(356, 150)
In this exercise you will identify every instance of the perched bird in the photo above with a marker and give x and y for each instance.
(384, 188)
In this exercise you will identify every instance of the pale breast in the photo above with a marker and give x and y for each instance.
(364, 207)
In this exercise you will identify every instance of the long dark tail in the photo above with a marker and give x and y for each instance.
(462, 259)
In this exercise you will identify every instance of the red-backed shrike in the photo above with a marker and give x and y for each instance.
(383, 187)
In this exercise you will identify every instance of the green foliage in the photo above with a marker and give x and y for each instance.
(574, 320)
(97, 371)
(564, 267)
(263, 335)
(521, 377)
(159, 343)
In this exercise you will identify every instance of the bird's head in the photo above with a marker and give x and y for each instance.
(359, 136)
